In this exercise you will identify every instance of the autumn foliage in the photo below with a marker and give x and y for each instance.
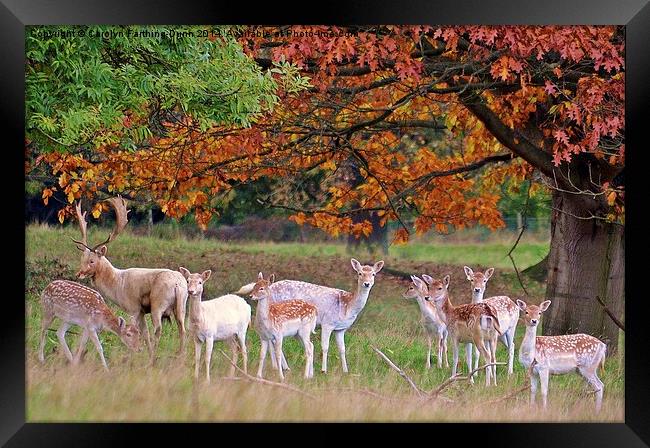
(433, 119)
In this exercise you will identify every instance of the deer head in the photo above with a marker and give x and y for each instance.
(92, 255)
(438, 289)
(417, 288)
(129, 334)
(366, 273)
(195, 281)
(262, 289)
(532, 313)
(478, 279)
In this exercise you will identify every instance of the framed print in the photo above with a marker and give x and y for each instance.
(404, 215)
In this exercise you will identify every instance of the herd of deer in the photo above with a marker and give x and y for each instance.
(294, 308)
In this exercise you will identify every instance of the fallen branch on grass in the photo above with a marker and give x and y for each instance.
(516, 392)
(267, 382)
(398, 370)
(435, 393)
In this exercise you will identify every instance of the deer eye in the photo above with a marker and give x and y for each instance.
(440, 288)
(359, 274)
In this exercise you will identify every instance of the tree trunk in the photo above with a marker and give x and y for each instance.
(587, 259)
(538, 271)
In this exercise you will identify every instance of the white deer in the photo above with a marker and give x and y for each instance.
(470, 322)
(275, 321)
(337, 309)
(224, 318)
(556, 355)
(432, 322)
(76, 304)
(138, 291)
(505, 308)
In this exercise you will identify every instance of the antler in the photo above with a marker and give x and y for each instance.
(81, 218)
(119, 204)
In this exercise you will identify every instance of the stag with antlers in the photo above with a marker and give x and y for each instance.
(138, 291)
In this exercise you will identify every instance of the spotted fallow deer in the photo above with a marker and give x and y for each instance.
(556, 355)
(138, 291)
(76, 304)
(431, 321)
(470, 322)
(337, 309)
(224, 318)
(276, 320)
(506, 310)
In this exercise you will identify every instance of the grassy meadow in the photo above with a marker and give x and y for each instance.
(133, 390)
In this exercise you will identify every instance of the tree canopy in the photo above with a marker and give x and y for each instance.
(434, 119)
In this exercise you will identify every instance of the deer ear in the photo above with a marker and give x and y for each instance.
(260, 276)
(489, 273)
(101, 251)
(184, 271)
(468, 272)
(521, 304)
(418, 281)
(121, 322)
(272, 278)
(206, 275)
(544, 305)
(446, 280)
(355, 264)
(377, 267)
(427, 278)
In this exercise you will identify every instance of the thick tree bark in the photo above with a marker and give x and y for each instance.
(587, 259)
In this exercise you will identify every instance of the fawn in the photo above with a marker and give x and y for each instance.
(224, 318)
(74, 303)
(275, 321)
(505, 308)
(431, 320)
(471, 322)
(557, 355)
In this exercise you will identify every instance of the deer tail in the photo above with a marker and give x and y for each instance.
(602, 359)
(495, 320)
(246, 289)
(181, 300)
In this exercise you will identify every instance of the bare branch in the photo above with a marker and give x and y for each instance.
(398, 370)
(618, 323)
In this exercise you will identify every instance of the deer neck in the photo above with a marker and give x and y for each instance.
(477, 297)
(446, 309)
(424, 308)
(527, 351)
(356, 301)
(262, 310)
(106, 279)
(111, 322)
(196, 314)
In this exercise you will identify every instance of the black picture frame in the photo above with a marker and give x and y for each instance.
(635, 14)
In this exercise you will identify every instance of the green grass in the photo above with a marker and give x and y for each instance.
(132, 390)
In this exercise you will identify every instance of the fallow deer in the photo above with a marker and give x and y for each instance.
(505, 308)
(76, 304)
(557, 355)
(224, 318)
(276, 320)
(431, 321)
(470, 322)
(337, 309)
(138, 291)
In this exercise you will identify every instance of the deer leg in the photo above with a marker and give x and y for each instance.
(144, 331)
(309, 360)
(45, 324)
(592, 378)
(339, 337)
(511, 349)
(60, 333)
(454, 360)
(197, 357)
(468, 358)
(543, 379)
(533, 388)
(493, 358)
(486, 355)
(98, 346)
(429, 341)
(326, 331)
(278, 355)
(244, 351)
(235, 356)
(156, 320)
(209, 343)
(444, 346)
(81, 349)
(181, 334)
(264, 345)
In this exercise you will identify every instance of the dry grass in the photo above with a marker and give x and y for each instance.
(133, 391)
